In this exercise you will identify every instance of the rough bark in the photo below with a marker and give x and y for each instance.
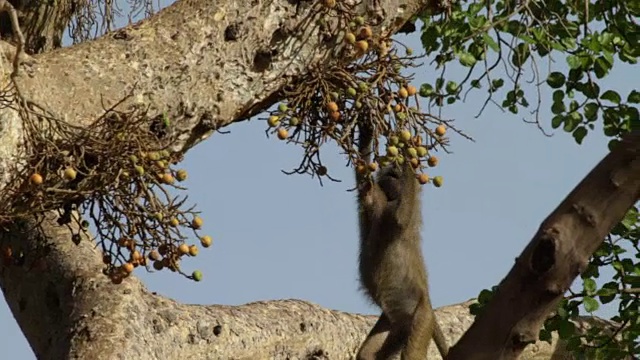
(68, 310)
(42, 23)
(179, 63)
(556, 255)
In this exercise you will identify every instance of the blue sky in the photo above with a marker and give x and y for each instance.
(278, 236)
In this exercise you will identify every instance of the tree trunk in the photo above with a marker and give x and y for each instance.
(68, 310)
(42, 23)
(179, 63)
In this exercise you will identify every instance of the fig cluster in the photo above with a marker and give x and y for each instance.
(343, 102)
(332, 105)
(118, 175)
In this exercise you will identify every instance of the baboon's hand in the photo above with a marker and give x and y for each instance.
(390, 182)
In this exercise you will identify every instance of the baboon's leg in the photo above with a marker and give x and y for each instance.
(401, 312)
(420, 333)
(372, 345)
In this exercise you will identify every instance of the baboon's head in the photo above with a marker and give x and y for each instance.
(397, 180)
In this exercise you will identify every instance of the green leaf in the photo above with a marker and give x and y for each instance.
(573, 105)
(558, 46)
(466, 59)
(485, 296)
(606, 40)
(611, 130)
(612, 96)
(556, 79)
(606, 293)
(589, 285)
(572, 121)
(425, 90)
(587, 61)
(475, 309)
(558, 96)
(634, 97)
(476, 23)
(527, 39)
(617, 265)
(545, 335)
(590, 304)
(631, 116)
(591, 271)
(478, 50)
(497, 84)
(558, 107)
(630, 218)
(601, 67)
(515, 27)
(562, 313)
(566, 329)
(557, 121)
(430, 39)
(575, 75)
(574, 62)
(610, 288)
(490, 42)
(633, 280)
(452, 87)
(625, 56)
(520, 55)
(568, 43)
(591, 90)
(474, 9)
(591, 111)
(579, 133)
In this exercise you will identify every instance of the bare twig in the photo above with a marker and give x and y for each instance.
(17, 33)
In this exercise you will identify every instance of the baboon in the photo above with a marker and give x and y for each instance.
(392, 270)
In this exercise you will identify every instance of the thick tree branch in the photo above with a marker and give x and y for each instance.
(42, 24)
(184, 62)
(556, 255)
(68, 310)
(181, 62)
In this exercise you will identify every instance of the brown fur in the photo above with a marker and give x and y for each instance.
(392, 271)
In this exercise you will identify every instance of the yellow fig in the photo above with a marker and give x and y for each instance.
(197, 222)
(70, 173)
(206, 241)
(36, 179)
(181, 175)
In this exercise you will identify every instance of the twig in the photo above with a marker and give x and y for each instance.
(15, 27)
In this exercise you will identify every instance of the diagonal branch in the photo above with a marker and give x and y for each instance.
(68, 310)
(203, 64)
(558, 253)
